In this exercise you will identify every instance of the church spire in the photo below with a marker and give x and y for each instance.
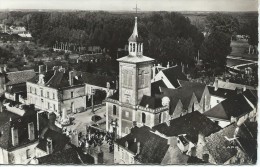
(135, 43)
(134, 36)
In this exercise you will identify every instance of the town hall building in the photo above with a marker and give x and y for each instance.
(133, 104)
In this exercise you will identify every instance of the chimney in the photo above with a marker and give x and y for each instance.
(41, 69)
(14, 132)
(71, 77)
(138, 148)
(108, 85)
(182, 68)
(200, 145)
(5, 68)
(49, 146)
(75, 138)
(126, 144)
(168, 65)
(216, 85)
(244, 88)
(31, 132)
(1, 106)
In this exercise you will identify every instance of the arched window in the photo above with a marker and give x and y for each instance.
(143, 118)
(114, 109)
(133, 47)
(160, 118)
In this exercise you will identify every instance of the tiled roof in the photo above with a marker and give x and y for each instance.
(155, 87)
(235, 106)
(152, 147)
(174, 74)
(221, 92)
(59, 140)
(98, 80)
(151, 102)
(191, 124)
(219, 147)
(69, 156)
(19, 77)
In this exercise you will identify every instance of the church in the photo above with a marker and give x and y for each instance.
(133, 104)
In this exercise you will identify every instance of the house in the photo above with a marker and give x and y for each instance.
(185, 132)
(233, 109)
(14, 83)
(214, 95)
(235, 144)
(57, 90)
(18, 137)
(171, 76)
(140, 146)
(69, 156)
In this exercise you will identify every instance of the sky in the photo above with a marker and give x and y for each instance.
(144, 5)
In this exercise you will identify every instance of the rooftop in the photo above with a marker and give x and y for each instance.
(174, 74)
(235, 106)
(19, 77)
(191, 124)
(152, 147)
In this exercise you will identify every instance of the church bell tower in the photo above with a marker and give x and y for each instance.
(134, 82)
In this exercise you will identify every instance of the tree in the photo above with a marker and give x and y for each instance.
(214, 50)
(225, 23)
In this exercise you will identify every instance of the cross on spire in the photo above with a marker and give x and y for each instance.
(136, 9)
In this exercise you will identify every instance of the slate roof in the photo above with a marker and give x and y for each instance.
(59, 141)
(135, 59)
(191, 124)
(155, 87)
(57, 79)
(219, 147)
(174, 74)
(151, 102)
(221, 92)
(183, 94)
(235, 106)
(251, 95)
(19, 122)
(69, 156)
(152, 147)
(233, 86)
(19, 77)
(98, 80)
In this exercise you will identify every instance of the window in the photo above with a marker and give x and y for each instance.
(127, 130)
(35, 92)
(114, 109)
(143, 117)
(47, 94)
(134, 47)
(124, 78)
(48, 105)
(28, 153)
(131, 47)
(41, 92)
(160, 118)
(54, 107)
(53, 96)
(130, 80)
(126, 114)
(30, 89)
(71, 93)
